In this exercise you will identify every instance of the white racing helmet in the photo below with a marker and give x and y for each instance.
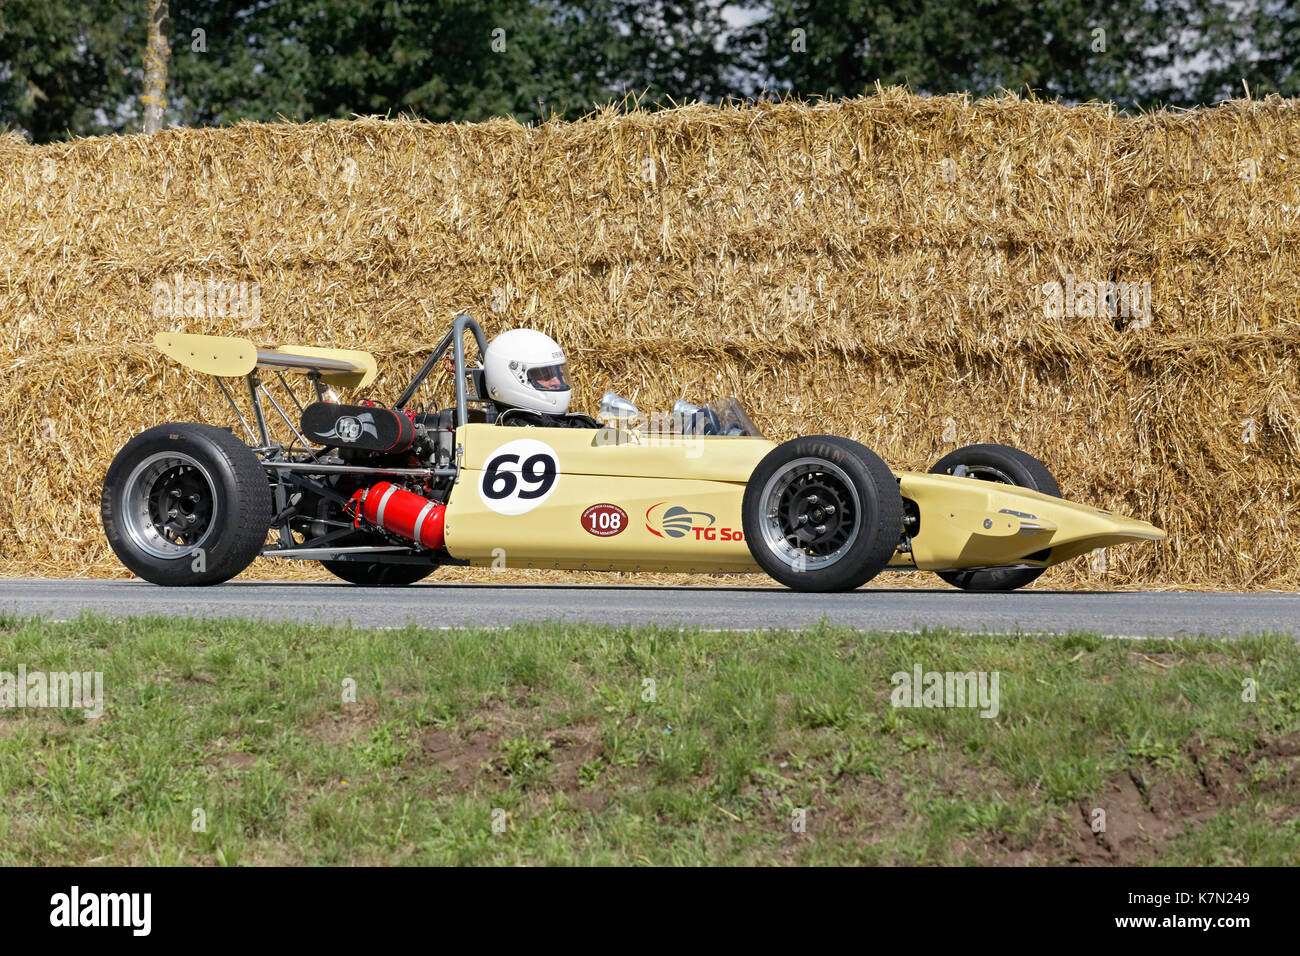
(526, 369)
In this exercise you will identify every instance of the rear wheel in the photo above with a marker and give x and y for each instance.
(1008, 466)
(376, 574)
(822, 513)
(186, 504)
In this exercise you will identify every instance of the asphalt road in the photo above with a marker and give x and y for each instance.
(1116, 613)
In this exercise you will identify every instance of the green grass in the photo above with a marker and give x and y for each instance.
(548, 744)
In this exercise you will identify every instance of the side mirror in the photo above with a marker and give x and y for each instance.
(614, 408)
(683, 409)
(692, 419)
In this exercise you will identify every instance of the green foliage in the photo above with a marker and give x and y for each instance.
(320, 59)
(1132, 52)
(68, 66)
(74, 68)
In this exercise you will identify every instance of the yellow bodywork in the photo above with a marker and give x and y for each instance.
(229, 357)
(637, 473)
(968, 523)
(964, 522)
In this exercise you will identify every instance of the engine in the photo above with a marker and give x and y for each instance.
(371, 435)
(367, 427)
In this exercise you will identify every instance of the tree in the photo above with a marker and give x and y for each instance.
(317, 59)
(72, 67)
(660, 50)
(1218, 50)
(1075, 49)
(1132, 52)
(154, 99)
(442, 59)
(69, 67)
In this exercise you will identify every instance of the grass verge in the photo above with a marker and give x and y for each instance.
(234, 742)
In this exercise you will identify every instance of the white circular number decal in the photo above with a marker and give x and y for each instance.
(519, 476)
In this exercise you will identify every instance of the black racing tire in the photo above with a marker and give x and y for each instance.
(377, 574)
(186, 505)
(803, 544)
(1000, 463)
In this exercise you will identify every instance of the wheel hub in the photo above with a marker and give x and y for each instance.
(811, 513)
(814, 513)
(180, 505)
(170, 505)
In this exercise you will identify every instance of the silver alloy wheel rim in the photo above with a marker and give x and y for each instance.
(776, 530)
(988, 473)
(140, 514)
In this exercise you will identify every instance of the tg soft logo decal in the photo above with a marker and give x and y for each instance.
(674, 521)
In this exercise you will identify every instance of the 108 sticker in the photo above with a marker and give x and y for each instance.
(604, 520)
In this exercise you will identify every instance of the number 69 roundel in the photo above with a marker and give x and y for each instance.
(519, 476)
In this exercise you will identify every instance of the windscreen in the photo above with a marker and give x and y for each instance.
(732, 419)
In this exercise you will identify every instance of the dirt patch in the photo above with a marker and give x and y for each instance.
(1117, 825)
(571, 748)
(480, 751)
(1272, 766)
(344, 725)
(1285, 746)
(476, 748)
(1147, 808)
(463, 757)
(231, 760)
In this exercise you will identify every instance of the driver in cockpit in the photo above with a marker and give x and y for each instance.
(524, 373)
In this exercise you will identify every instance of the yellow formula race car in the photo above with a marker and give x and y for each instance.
(384, 494)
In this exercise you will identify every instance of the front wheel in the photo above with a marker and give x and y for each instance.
(186, 504)
(1008, 466)
(822, 514)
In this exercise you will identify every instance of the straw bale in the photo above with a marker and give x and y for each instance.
(875, 267)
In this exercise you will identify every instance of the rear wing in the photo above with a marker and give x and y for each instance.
(236, 358)
(228, 357)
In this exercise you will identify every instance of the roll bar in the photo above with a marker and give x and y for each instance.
(456, 340)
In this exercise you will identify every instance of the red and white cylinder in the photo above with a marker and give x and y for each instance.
(404, 513)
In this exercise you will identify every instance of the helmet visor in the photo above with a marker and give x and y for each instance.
(548, 378)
